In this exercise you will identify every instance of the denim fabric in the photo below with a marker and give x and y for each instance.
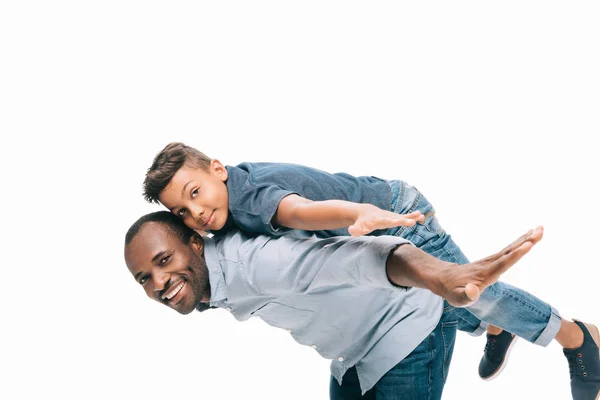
(420, 376)
(501, 304)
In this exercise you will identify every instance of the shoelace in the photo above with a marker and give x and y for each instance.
(489, 347)
(576, 366)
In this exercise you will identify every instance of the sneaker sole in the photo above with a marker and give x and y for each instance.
(504, 361)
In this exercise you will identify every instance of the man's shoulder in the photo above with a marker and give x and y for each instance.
(237, 242)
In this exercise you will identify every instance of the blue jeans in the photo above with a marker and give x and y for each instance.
(420, 376)
(501, 304)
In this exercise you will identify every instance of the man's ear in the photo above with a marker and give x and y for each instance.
(218, 169)
(196, 243)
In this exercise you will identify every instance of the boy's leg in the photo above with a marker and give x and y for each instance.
(500, 304)
(505, 306)
(526, 316)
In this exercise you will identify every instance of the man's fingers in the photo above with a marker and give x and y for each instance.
(515, 244)
(511, 258)
(533, 235)
(494, 266)
(503, 264)
(483, 273)
(537, 235)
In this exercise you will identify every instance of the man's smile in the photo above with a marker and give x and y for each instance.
(170, 295)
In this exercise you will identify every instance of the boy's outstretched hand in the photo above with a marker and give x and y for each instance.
(373, 218)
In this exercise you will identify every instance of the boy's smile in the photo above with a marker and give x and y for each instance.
(198, 196)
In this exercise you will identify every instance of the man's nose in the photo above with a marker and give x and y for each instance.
(160, 279)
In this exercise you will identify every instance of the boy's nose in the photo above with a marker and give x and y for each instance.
(197, 213)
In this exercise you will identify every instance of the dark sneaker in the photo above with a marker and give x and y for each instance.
(584, 364)
(495, 355)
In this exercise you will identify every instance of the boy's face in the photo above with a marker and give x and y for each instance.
(199, 197)
(170, 271)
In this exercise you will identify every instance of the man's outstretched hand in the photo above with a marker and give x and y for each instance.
(461, 285)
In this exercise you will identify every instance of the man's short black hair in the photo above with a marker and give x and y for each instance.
(173, 224)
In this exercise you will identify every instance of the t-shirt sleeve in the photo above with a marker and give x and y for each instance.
(256, 206)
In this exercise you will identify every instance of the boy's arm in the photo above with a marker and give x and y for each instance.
(300, 213)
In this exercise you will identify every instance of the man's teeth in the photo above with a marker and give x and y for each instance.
(171, 293)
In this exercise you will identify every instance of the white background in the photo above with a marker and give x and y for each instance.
(489, 109)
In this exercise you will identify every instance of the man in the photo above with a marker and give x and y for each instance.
(370, 304)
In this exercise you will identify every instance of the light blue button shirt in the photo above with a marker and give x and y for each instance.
(331, 294)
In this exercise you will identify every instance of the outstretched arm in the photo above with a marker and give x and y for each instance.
(459, 285)
(300, 213)
(287, 265)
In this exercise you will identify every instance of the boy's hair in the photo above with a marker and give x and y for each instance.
(166, 164)
(170, 221)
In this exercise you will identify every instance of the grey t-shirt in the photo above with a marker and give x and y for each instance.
(255, 190)
(331, 294)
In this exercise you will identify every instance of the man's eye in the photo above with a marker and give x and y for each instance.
(143, 280)
(181, 212)
(194, 193)
(164, 260)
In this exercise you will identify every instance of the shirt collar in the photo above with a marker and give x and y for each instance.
(218, 288)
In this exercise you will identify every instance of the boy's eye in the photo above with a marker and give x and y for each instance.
(143, 280)
(181, 212)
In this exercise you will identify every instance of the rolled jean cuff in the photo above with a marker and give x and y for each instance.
(480, 330)
(551, 329)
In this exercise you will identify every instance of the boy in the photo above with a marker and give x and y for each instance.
(273, 198)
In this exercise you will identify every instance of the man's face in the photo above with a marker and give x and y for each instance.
(199, 197)
(171, 272)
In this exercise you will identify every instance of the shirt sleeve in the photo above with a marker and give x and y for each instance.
(287, 265)
(256, 206)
